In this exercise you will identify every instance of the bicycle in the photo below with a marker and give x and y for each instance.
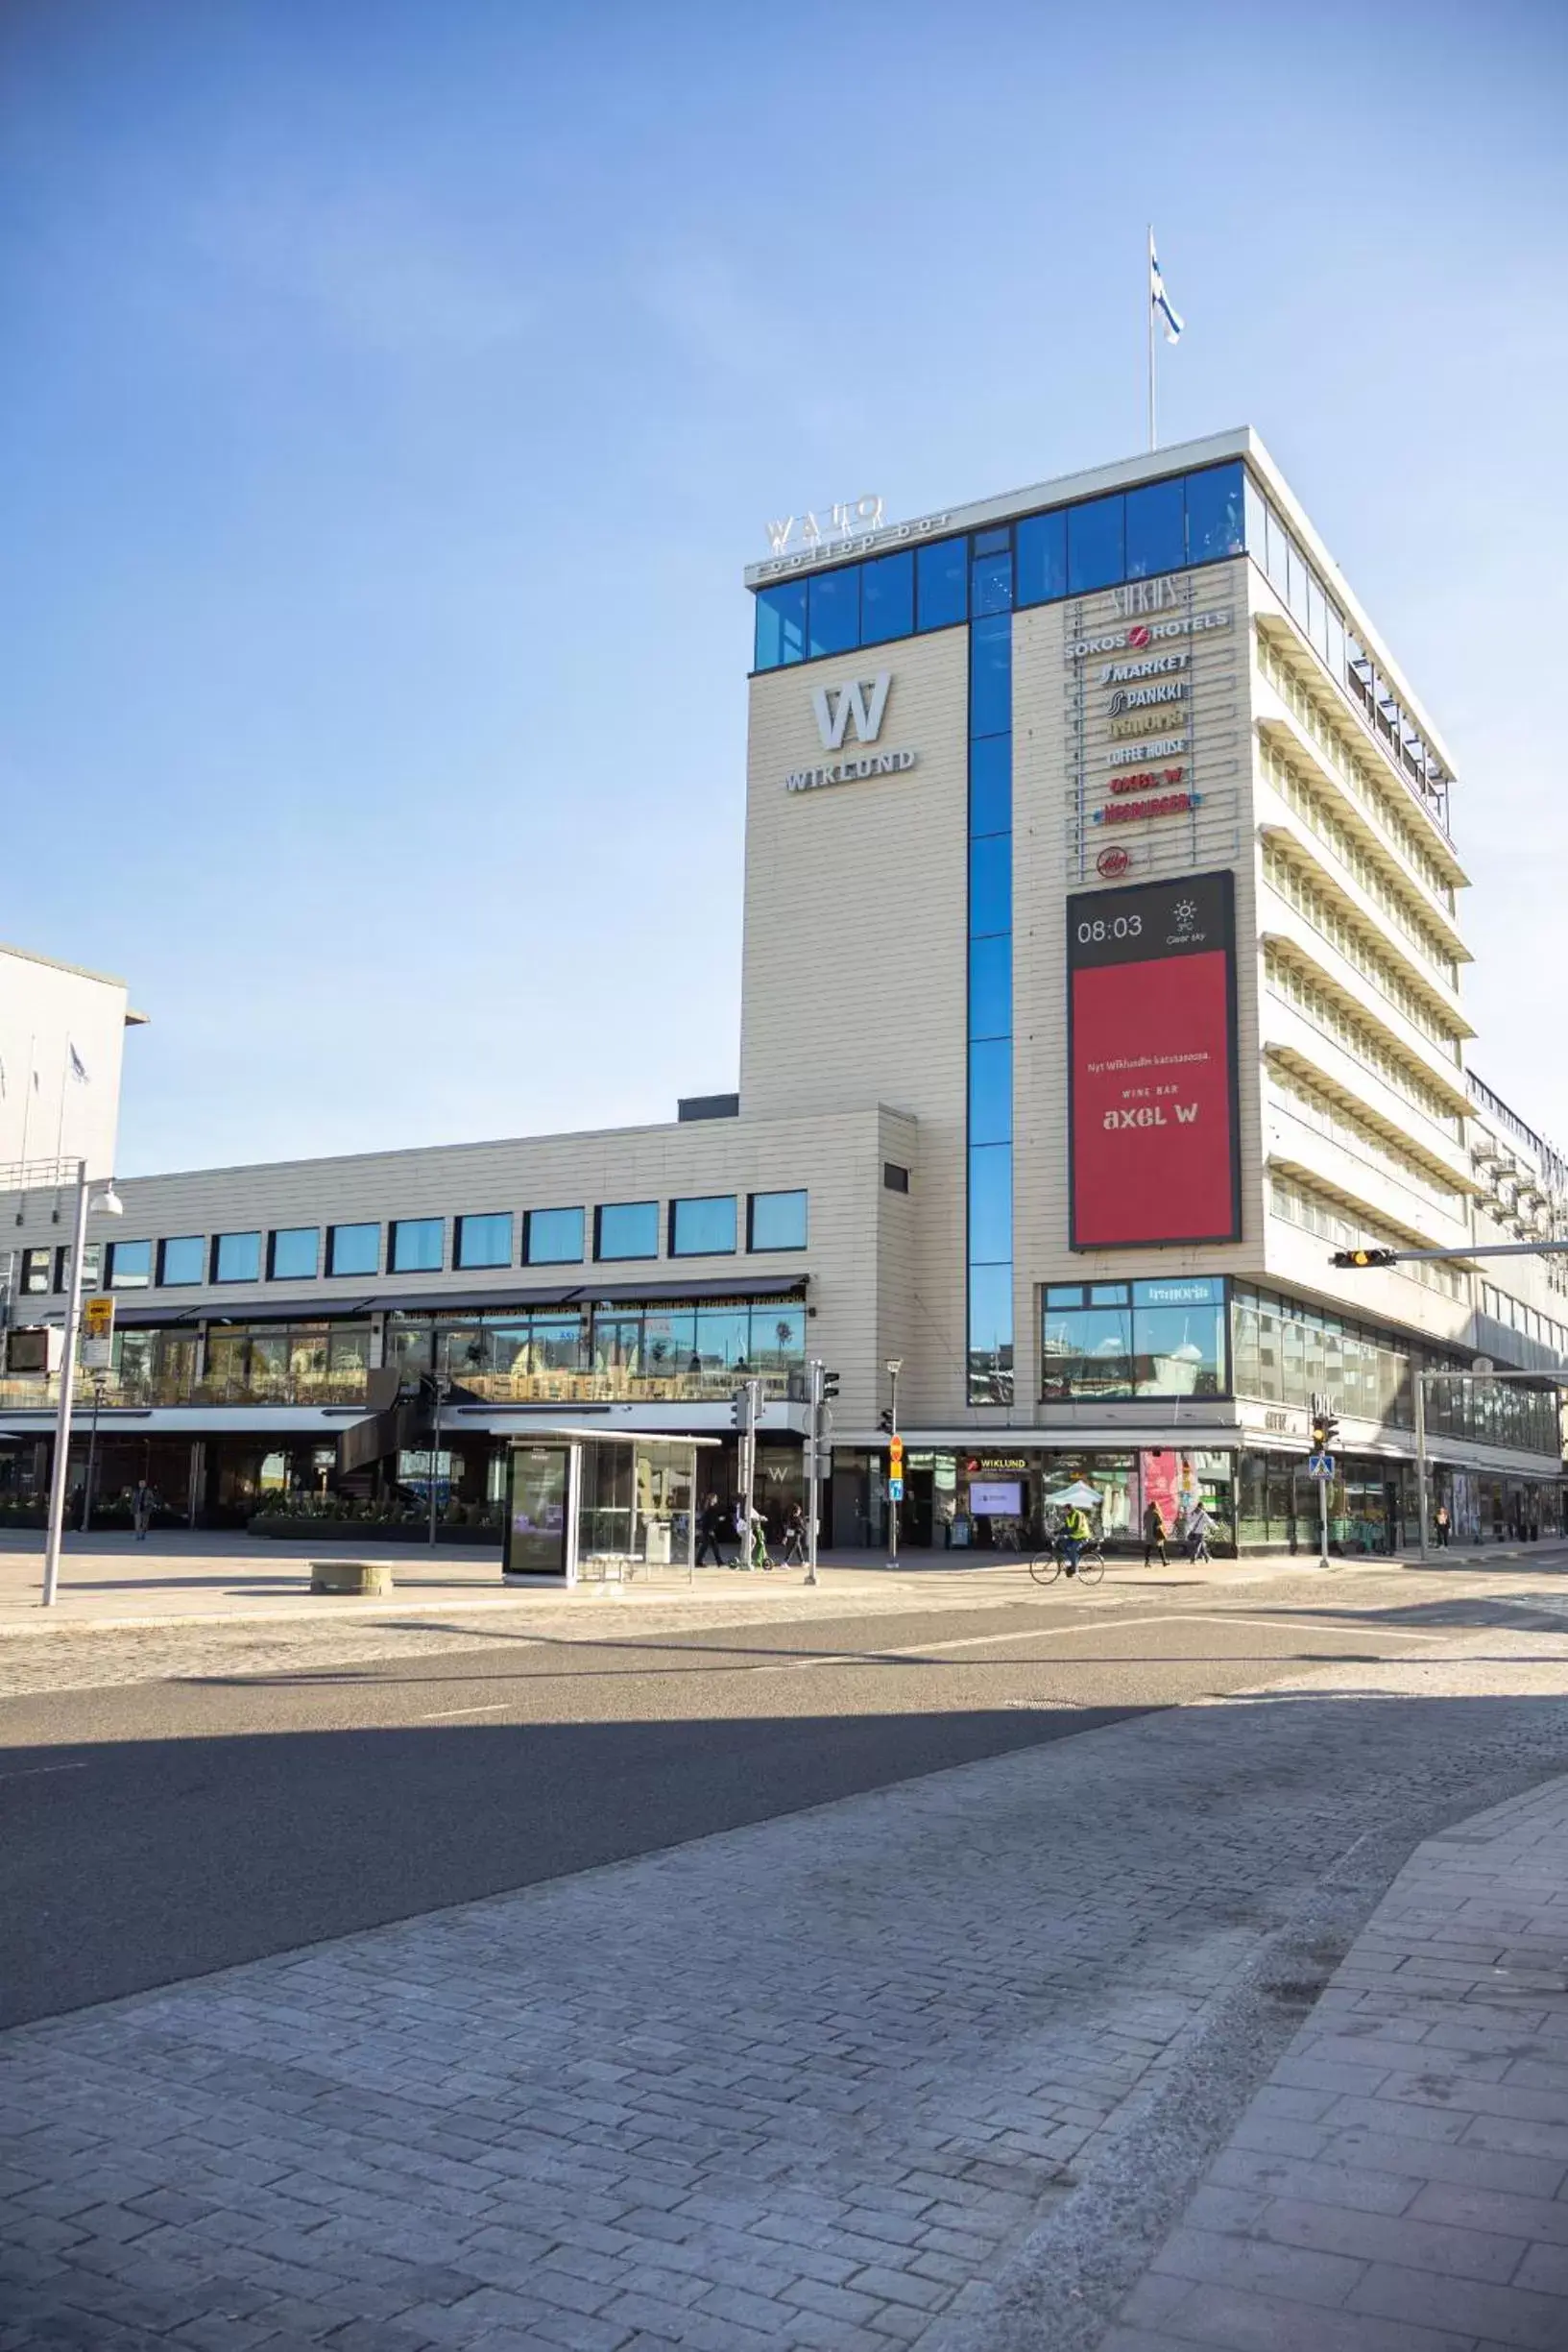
(1048, 1566)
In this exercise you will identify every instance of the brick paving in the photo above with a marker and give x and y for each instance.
(852, 2078)
(1400, 2184)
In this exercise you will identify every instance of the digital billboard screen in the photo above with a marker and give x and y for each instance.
(1151, 1027)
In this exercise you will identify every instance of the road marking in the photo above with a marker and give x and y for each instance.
(33, 1772)
(1301, 1625)
(451, 1715)
(1050, 1633)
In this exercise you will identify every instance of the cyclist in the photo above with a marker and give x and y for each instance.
(1075, 1534)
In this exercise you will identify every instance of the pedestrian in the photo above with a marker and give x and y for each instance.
(1200, 1528)
(710, 1527)
(794, 1538)
(1154, 1535)
(141, 1509)
(1075, 1534)
(752, 1536)
(1444, 1526)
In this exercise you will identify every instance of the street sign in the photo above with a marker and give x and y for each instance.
(895, 1490)
(97, 1334)
(1482, 1364)
(1320, 1466)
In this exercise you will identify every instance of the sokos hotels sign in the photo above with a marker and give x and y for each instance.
(860, 704)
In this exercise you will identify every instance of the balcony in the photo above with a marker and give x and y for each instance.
(141, 1391)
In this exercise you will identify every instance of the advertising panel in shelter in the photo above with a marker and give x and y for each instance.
(1151, 1015)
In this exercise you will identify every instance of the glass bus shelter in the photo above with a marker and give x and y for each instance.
(596, 1504)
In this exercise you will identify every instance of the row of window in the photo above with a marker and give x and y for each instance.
(1503, 1308)
(1347, 849)
(1106, 1340)
(705, 1226)
(1361, 1042)
(1299, 890)
(1358, 1137)
(1298, 1204)
(1068, 551)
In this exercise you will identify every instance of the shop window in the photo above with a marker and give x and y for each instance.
(1179, 1337)
(182, 1260)
(942, 584)
(130, 1264)
(483, 1241)
(353, 1249)
(1156, 529)
(236, 1257)
(1096, 553)
(703, 1227)
(835, 607)
(777, 1336)
(780, 624)
(887, 599)
(552, 1237)
(35, 1270)
(626, 1229)
(1039, 567)
(776, 1220)
(293, 1252)
(417, 1246)
(1087, 1352)
(723, 1340)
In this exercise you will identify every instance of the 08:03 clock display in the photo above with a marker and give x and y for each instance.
(1121, 927)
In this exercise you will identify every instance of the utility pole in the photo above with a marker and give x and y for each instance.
(98, 1379)
(824, 1387)
(743, 1414)
(440, 1385)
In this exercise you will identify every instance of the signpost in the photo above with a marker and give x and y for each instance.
(97, 1334)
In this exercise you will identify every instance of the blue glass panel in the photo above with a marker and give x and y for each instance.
(991, 885)
(887, 599)
(1042, 558)
(991, 1319)
(1215, 517)
(991, 784)
(991, 1204)
(418, 1246)
(990, 986)
(991, 581)
(236, 1257)
(1257, 520)
(483, 1241)
(184, 1260)
(130, 1264)
(353, 1249)
(780, 624)
(991, 675)
(836, 610)
(294, 1254)
(1156, 529)
(627, 1229)
(703, 1227)
(777, 1221)
(1095, 552)
(991, 1092)
(942, 577)
(554, 1237)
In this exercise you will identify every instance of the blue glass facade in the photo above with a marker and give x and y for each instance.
(989, 1216)
(1129, 535)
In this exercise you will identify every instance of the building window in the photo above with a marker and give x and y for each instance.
(626, 1229)
(780, 624)
(552, 1237)
(130, 1264)
(942, 584)
(483, 1241)
(236, 1257)
(292, 1253)
(1104, 1339)
(702, 1228)
(353, 1249)
(990, 573)
(895, 1179)
(180, 1261)
(988, 1252)
(418, 1246)
(36, 1269)
(93, 1259)
(887, 599)
(776, 1220)
(834, 605)
(1041, 573)
(1156, 529)
(1095, 552)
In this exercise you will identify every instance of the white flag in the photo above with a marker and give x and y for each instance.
(1160, 298)
(79, 1068)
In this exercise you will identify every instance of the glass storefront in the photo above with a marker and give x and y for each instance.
(1106, 1341)
(1001, 1500)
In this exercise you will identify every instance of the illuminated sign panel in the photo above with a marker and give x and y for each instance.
(1151, 1012)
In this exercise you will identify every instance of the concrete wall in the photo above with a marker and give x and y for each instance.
(45, 1112)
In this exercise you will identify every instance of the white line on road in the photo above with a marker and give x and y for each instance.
(1050, 1633)
(32, 1772)
(451, 1715)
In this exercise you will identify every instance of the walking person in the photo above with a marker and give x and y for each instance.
(1200, 1528)
(1154, 1535)
(710, 1529)
(141, 1509)
(1444, 1527)
(794, 1538)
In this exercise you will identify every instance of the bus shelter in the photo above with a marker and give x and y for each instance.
(600, 1504)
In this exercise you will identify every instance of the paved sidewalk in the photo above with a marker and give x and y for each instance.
(935, 2064)
(1401, 2182)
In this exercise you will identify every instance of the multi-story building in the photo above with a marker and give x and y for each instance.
(1102, 979)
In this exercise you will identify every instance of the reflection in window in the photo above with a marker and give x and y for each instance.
(991, 1335)
(626, 1229)
(483, 1241)
(834, 604)
(182, 1260)
(418, 1246)
(777, 1336)
(989, 1203)
(353, 1249)
(1179, 1338)
(780, 624)
(552, 1237)
(990, 573)
(1094, 544)
(1041, 571)
(991, 786)
(941, 576)
(704, 1228)
(723, 1340)
(991, 885)
(991, 1091)
(1215, 522)
(777, 1220)
(991, 675)
(990, 986)
(292, 1253)
(887, 599)
(35, 1270)
(130, 1264)
(1087, 1352)
(1156, 529)
(236, 1257)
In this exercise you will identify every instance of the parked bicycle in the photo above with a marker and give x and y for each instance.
(1048, 1566)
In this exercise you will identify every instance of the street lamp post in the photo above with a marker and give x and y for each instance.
(59, 1473)
(92, 1451)
(440, 1385)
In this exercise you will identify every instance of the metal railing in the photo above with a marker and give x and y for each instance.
(144, 1392)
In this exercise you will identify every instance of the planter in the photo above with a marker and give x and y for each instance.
(368, 1534)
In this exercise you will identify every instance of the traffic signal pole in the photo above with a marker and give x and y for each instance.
(895, 1462)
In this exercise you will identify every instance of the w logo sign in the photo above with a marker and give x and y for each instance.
(864, 701)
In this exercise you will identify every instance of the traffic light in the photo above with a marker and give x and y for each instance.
(1365, 1257)
(829, 1385)
(742, 1407)
(1325, 1433)
(884, 1419)
(895, 1457)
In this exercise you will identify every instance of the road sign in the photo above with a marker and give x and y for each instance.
(1482, 1364)
(1320, 1466)
(895, 1490)
(97, 1334)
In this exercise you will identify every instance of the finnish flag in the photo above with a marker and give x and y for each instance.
(1160, 298)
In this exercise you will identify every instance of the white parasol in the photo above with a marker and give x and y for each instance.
(1084, 1495)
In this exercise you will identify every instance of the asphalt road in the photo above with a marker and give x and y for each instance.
(158, 1830)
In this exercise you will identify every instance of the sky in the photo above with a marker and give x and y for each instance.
(394, 390)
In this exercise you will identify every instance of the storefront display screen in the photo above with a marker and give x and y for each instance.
(536, 1512)
(995, 1499)
(1152, 1010)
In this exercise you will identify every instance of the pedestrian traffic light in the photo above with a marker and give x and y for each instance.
(884, 1419)
(830, 1384)
(742, 1407)
(1365, 1257)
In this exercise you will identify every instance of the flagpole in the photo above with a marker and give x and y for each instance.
(1148, 305)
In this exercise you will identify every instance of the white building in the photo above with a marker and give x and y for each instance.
(1120, 853)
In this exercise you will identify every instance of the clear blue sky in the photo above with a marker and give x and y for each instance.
(394, 389)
